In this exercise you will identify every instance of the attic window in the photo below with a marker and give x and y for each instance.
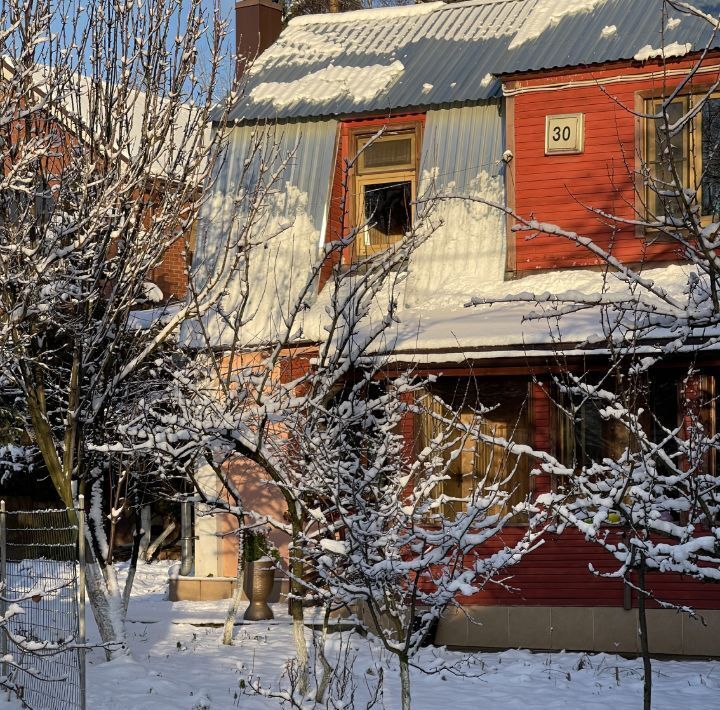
(394, 151)
(384, 188)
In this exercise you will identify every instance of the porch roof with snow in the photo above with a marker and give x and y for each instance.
(437, 54)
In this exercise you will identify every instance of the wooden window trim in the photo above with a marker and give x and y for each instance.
(692, 149)
(357, 177)
(387, 137)
(382, 178)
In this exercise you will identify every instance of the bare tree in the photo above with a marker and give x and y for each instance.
(395, 544)
(106, 161)
(237, 403)
(314, 418)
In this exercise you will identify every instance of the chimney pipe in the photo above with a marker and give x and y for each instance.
(258, 24)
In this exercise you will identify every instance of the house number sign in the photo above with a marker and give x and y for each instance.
(564, 133)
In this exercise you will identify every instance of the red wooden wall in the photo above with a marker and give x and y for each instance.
(557, 574)
(558, 188)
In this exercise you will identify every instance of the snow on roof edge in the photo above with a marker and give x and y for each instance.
(372, 14)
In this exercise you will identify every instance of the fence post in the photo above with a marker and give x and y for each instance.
(3, 578)
(81, 595)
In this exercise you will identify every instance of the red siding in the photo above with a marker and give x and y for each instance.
(557, 574)
(559, 188)
(339, 210)
(541, 420)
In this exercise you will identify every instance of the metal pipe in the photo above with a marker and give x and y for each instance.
(186, 539)
(81, 598)
(3, 589)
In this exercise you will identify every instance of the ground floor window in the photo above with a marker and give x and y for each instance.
(668, 401)
(471, 460)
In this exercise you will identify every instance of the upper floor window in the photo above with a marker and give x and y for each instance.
(384, 185)
(689, 154)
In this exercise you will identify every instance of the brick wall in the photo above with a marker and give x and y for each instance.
(171, 275)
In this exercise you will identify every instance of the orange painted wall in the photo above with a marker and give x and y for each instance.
(261, 496)
(558, 188)
(257, 491)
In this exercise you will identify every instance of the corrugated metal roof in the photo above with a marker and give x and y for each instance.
(446, 55)
(392, 59)
(578, 39)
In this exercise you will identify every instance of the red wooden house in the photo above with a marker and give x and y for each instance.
(533, 104)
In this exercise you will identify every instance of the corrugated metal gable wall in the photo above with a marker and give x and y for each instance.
(461, 157)
(460, 142)
(287, 229)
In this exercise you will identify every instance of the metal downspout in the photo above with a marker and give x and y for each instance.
(187, 543)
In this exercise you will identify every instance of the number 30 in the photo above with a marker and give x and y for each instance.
(561, 133)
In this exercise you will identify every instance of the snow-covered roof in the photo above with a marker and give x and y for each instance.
(436, 54)
(565, 33)
(372, 60)
(446, 329)
(71, 105)
(139, 111)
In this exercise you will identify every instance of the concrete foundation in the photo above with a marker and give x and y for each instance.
(208, 589)
(607, 629)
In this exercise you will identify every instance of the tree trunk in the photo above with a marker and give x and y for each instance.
(154, 549)
(235, 601)
(146, 524)
(107, 608)
(133, 566)
(644, 642)
(405, 682)
(297, 592)
(327, 669)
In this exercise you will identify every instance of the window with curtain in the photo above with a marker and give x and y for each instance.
(469, 459)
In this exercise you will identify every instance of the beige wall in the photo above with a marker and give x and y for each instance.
(206, 526)
(215, 544)
(607, 629)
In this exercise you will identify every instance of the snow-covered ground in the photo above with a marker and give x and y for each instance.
(178, 662)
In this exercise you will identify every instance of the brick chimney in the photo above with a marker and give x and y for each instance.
(258, 24)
